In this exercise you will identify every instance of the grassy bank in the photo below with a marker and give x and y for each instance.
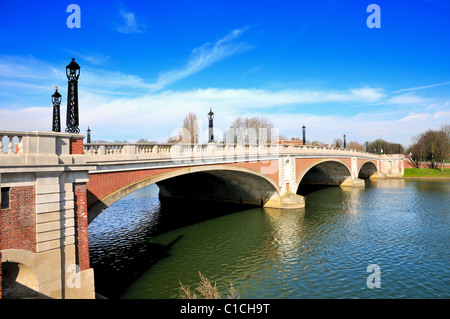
(431, 173)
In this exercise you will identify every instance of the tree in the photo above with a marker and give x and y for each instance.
(442, 148)
(433, 146)
(356, 146)
(255, 130)
(145, 140)
(381, 146)
(338, 143)
(437, 147)
(190, 131)
(418, 150)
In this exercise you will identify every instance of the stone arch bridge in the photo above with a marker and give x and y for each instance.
(53, 186)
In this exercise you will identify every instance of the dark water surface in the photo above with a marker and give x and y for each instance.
(141, 248)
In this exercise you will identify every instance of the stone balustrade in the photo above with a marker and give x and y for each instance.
(37, 147)
(113, 151)
(56, 148)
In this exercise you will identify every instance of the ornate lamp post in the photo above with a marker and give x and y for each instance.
(88, 138)
(211, 129)
(56, 100)
(367, 147)
(345, 143)
(304, 134)
(73, 73)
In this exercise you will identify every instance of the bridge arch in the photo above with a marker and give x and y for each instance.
(367, 169)
(19, 279)
(324, 172)
(214, 182)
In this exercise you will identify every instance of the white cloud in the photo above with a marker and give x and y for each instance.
(422, 87)
(129, 23)
(204, 56)
(368, 94)
(158, 116)
(406, 99)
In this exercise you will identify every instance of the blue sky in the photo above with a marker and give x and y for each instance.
(146, 64)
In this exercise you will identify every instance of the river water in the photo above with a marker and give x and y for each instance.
(142, 248)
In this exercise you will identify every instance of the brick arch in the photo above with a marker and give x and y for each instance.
(366, 169)
(97, 205)
(315, 163)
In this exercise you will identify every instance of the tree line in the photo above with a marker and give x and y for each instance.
(432, 146)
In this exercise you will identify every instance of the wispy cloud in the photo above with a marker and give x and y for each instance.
(93, 58)
(204, 56)
(406, 99)
(129, 23)
(422, 87)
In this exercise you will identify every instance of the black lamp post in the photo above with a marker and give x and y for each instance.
(367, 147)
(345, 143)
(304, 134)
(88, 138)
(73, 73)
(211, 129)
(56, 100)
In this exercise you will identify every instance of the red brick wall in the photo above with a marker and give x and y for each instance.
(302, 163)
(76, 146)
(103, 184)
(18, 222)
(81, 226)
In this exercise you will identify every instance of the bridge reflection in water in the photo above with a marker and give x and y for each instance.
(320, 251)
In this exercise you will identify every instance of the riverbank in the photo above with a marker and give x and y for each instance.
(427, 173)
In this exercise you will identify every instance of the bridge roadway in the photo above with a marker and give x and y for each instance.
(53, 186)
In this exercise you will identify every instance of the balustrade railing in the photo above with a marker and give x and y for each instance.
(42, 147)
(148, 150)
(11, 143)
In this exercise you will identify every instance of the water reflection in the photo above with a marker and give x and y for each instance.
(321, 251)
(287, 230)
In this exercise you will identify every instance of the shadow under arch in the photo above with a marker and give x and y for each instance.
(19, 280)
(221, 183)
(322, 173)
(367, 169)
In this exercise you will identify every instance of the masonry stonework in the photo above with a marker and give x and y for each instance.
(81, 225)
(18, 222)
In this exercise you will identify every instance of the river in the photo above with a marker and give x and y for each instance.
(393, 233)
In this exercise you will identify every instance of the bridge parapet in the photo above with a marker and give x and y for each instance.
(52, 148)
(39, 147)
(98, 152)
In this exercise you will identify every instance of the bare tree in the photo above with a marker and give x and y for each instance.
(433, 146)
(190, 131)
(255, 130)
(418, 149)
(442, 148)
(356, 146)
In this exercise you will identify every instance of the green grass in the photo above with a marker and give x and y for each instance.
(427, 172)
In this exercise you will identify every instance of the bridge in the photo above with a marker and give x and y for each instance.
(53, 186)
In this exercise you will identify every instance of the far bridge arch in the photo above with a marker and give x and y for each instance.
(332, 172)
(213, 182)
(367, 170)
